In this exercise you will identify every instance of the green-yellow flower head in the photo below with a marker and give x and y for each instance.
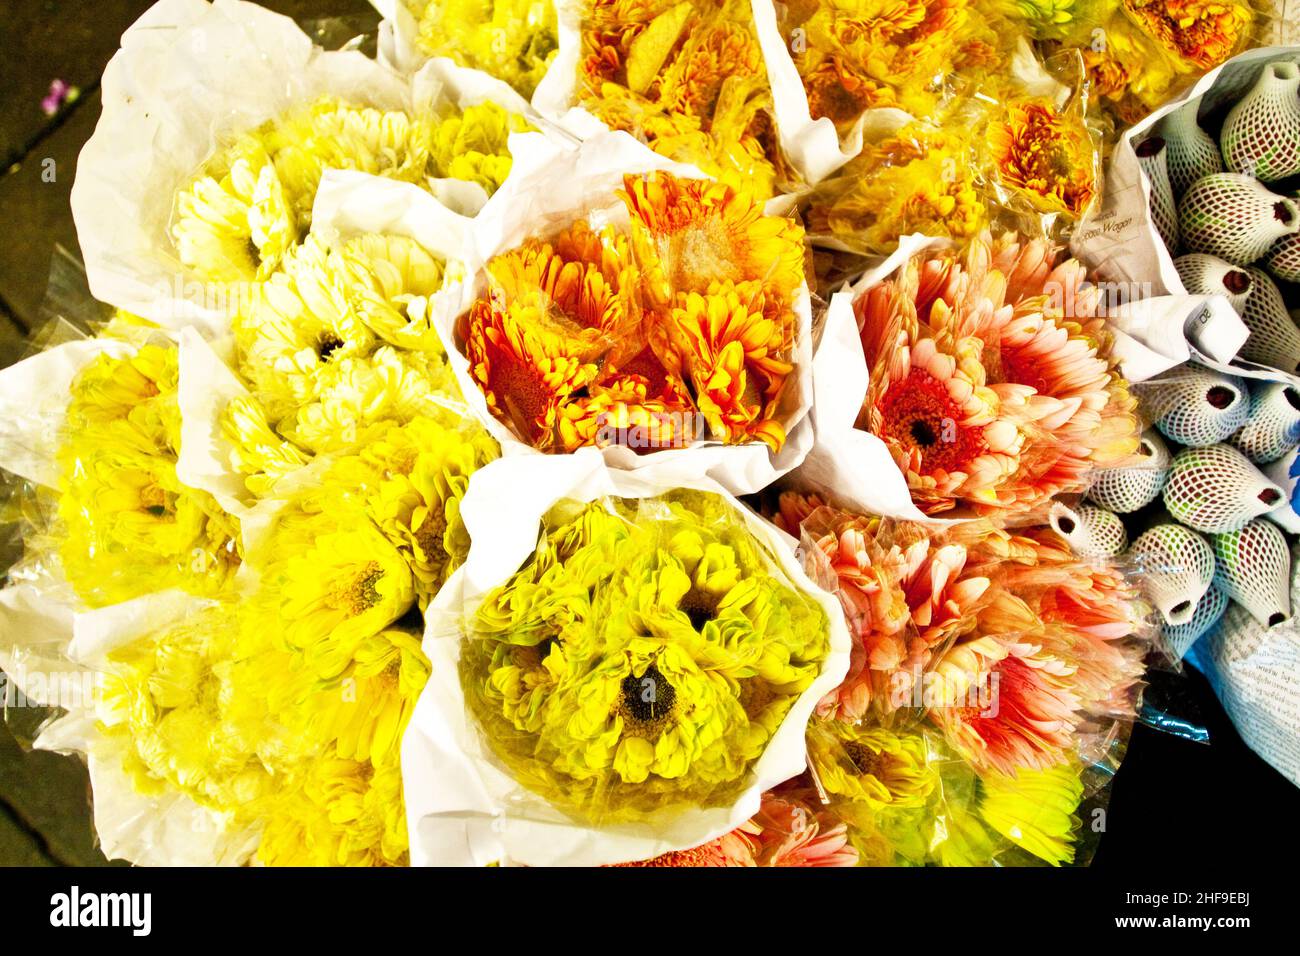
(514, 40)
(642, 659)
(128, 525)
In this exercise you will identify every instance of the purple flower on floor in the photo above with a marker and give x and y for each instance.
(60, 93)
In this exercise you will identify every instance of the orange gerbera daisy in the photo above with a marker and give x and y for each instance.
(525, 364)
(622, 411)
(1088, 613)
(553, 313)
(906, 596)
(1045, 155)
(990, 380)
(1054, 645)
(689, 233)
(941, 423)
(1004, 702)
(790, 829)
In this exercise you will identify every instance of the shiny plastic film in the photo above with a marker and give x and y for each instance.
(991, 384)
(920, 752)
(629, 686)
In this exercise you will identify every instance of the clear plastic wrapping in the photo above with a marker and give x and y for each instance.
(991, 384)
(926, 752)
(623, 672)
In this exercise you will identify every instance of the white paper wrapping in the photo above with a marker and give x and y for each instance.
(1119, 243)
(56, 655)
(190, 75)
(550, 186)
(851, 467)
(34, 395)
(461, 808)
(347, 204)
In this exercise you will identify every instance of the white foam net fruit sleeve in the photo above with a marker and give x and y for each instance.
(1217, 489)
(1194, 405)
(1203, 274)
(1284, 259)
(1260, 133)
(1164, 211)
(1209, 611)
(1176, 567)
(1190, 152)
(1274, 339)
(1234, 217)
(1273, 426)
(1127, 489)
(1254, 569)
(1091, 532)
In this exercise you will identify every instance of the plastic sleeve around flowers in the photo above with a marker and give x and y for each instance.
(898, 751)
(466, 802)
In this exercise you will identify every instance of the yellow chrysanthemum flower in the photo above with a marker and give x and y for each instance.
(331, 579)
(1044, 155)
(687, 77)
(425, 468)
(511, 39)
(880, 767)
(920, 179)
(250, 204)
(636, 664)
(164, 698)
(734, 346)
(858, 54)
(690, 233)
(336, 347)
(128, 526)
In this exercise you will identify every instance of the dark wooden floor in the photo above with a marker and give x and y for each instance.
(44, 798)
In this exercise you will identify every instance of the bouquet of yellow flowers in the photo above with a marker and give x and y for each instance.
(636, 665)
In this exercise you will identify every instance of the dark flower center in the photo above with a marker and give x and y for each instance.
(864, 759)
(699, 607)
(649, 697)
(328, 343)
(923, 433)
